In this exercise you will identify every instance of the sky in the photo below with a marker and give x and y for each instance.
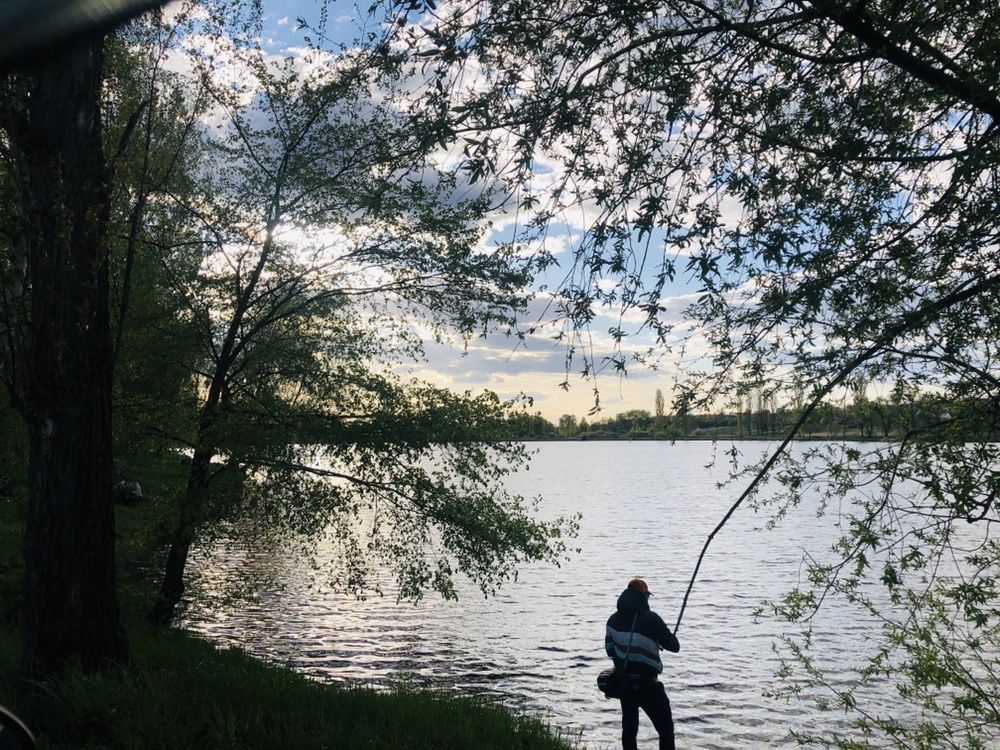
(535, 366)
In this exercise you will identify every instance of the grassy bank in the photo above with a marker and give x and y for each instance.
(182, 692)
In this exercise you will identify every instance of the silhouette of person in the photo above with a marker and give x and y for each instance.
(644, 665)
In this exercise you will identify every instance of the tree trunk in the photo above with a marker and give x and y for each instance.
(172, 585)
(192, 509)
(189, 513)
(70, 606)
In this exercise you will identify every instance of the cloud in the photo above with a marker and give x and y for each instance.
(534, 363)
(544, 386)
(538, 366)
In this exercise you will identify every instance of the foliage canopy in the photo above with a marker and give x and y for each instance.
(326, 243)
(825, 174)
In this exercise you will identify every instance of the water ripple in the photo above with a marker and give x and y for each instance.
(539, 645)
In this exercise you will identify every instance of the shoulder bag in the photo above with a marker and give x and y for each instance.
(616, 681)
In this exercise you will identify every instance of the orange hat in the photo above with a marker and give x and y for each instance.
(637, 584)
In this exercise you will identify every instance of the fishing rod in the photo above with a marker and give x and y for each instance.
(967, 290)
(864, 356)
(760, 475)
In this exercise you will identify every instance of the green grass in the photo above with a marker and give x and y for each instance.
(182, 692)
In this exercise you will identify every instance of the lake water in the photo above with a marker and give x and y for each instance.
(647, 509)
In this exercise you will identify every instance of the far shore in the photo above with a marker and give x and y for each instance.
(702, 438)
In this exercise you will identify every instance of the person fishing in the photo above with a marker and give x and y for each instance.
(633, 639)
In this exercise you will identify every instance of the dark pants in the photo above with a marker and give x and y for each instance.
(651, 698)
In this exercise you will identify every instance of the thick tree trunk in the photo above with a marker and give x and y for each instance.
(70, 606)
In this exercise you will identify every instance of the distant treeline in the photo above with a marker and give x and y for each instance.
(863, 420)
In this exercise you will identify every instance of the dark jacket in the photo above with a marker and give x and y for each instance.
(651, 634)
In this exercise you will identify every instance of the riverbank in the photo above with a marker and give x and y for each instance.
(182, 692)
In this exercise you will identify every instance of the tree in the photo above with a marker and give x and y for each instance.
(74, 157)
(660, 404)
(153, 121)
(830, 171)
(862, 409)
(53, 151)
(567, 425)
(324, 225)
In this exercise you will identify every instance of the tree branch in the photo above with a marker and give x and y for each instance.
(907, 323)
